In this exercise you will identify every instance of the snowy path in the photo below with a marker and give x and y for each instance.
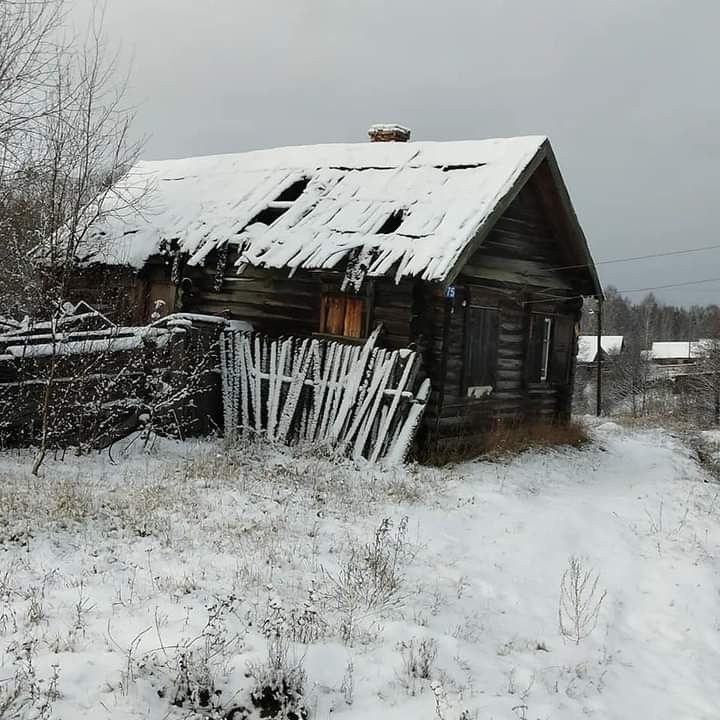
(93, 555)
(641, 518)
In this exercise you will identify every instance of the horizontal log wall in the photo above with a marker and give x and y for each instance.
(523, 249)
(515, 267)
(281, 305)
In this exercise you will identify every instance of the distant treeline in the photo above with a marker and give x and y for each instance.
(649, 320)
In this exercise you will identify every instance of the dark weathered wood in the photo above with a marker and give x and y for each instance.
(511, 271)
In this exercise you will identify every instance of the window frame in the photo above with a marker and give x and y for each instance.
(542, 368)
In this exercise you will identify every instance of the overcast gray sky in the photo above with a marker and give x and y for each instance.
(627, 91)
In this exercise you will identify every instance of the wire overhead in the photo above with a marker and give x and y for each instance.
(639, 257)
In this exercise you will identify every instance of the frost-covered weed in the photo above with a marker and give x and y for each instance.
(418, 659)
(278, 682)
(370, 577)
(190, 673)
(25, 694)
(70, 499)
(347, 687)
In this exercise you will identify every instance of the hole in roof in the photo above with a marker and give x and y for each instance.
(294, 191)
(449, 168)
(393, 222)
(281, 204)
(268, 215)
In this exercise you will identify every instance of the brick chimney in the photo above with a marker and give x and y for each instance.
(388, 133)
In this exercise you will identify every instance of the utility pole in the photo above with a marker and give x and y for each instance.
(598, 358)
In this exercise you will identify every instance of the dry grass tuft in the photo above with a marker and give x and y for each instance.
(512, 438)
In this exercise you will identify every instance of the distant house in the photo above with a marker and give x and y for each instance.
(682, 352)
(588, 347)
(470, 252)
(682, 358)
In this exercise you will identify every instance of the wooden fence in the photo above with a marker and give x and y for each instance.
(359, 399)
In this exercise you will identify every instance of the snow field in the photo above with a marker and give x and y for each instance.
(145, 586)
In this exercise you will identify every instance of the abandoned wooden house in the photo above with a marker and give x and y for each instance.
(468, 252)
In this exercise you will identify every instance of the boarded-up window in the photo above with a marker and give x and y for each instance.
(481, 340)
(549, 348)
(342, 315)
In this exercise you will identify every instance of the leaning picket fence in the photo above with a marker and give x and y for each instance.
(358, 399)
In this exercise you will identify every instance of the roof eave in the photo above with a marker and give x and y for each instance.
(577, 234)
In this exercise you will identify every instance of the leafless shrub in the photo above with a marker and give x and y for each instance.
(82, 608)
(370, 577)
(130, 653)
(580, 601)
(35, 596)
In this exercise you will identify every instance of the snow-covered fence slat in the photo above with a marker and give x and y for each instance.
(357, 399)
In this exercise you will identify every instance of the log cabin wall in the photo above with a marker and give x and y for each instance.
(278, 304)
(268, 299)
(516, 266)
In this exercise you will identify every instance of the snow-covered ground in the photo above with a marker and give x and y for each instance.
(153, 588)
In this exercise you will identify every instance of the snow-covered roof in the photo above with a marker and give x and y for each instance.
(407, 208)
(587, 346)
(683, 349)
(671, 350)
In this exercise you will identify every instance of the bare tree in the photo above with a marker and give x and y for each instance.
(65, 137)
(65, 141)
(29, 46)
(629, 379)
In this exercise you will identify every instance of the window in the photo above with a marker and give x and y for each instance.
(480, 361)
(342, 315)
(550, 348)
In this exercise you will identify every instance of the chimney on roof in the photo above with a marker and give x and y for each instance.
(388, 133)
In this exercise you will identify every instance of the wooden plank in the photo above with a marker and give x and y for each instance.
(353, 317)
(400, 446)
(397, 393)
(301, 365)
(335, 315)
(368, 412)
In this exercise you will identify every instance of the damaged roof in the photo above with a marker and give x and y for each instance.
(406, 209)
